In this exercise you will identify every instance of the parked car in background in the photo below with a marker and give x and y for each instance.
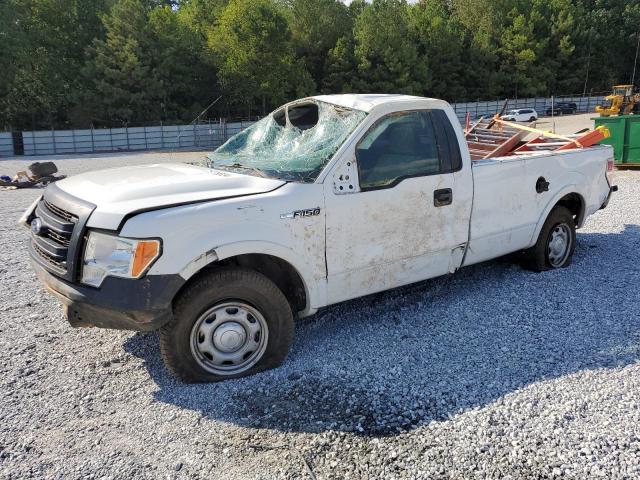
(561, 108)
(521, 115)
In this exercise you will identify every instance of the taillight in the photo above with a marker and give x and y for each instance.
(610, 165)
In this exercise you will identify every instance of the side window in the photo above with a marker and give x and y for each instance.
(448, 145)
(398, 146)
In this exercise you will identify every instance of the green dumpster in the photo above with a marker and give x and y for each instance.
(625, 137)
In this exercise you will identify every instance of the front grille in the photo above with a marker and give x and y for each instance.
(69, 217)
(56, 238)
(52, 242)
(53, 262)
(63, 240)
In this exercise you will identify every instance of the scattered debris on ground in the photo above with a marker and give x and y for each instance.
(37, 175)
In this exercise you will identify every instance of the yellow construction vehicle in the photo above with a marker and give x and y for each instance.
(622, 102)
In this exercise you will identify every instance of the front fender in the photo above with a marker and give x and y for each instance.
(315, 288)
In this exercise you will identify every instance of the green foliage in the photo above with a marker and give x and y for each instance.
(255, 54)
(386, 55)
(122, 87)
(42, 53)
(340, 67)
(149, 65)
(201, 15)
(316, 26)
(113, 62)
(440, 40)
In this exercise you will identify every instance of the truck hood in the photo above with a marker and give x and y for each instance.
(118, 192)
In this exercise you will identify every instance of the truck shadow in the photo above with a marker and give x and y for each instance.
(394, 361)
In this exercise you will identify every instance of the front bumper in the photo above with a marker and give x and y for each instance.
(142, 304)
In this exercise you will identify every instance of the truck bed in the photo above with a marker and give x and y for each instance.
(505, 191)
(497, 138)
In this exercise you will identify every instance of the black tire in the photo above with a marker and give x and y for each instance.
(213, 289)
(532, 119)
(540, 257)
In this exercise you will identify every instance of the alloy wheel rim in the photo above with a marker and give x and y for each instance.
(229, 338)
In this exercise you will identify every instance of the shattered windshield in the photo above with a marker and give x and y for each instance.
(293, 143)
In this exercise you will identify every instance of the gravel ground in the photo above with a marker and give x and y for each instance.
(494, 372)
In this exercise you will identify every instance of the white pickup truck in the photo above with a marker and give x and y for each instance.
(326, 199)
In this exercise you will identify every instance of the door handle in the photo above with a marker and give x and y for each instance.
(442, 197)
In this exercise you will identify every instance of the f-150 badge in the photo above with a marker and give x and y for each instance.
(309, 212)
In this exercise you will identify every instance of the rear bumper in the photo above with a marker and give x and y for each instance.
(612, 189)
(143, 304)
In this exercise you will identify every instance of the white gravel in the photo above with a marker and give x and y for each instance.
(494, 372)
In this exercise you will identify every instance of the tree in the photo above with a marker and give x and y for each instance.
(181, 65)
(481, 22)
(609, 37)
(72, 62)
(149, 66)
(255, 55)
(340, 67)
(520, 65)
(123, 87)
(387, 58)
(316, 26)
(43, 56)
(536, 46)
(440, 41)
(11, 39)
(201, 15)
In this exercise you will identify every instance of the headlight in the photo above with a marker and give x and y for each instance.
(110, 255)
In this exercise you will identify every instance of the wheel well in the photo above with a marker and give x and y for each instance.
(280, 272)
(575, 204)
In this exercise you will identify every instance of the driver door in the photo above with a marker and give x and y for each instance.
(402, 215)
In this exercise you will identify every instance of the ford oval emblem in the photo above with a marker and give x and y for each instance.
(37, 227)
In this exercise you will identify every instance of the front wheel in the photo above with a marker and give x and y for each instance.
(229, 323)
(556, 242)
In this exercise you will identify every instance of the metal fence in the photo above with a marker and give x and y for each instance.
(540, 105)
(213, 134)
(6, 144)
(209, 135)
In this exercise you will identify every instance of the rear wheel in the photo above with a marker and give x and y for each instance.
(532, 119)
(556, 242)
(228, 324)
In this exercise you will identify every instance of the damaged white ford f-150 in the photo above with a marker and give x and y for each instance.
(326, 199)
